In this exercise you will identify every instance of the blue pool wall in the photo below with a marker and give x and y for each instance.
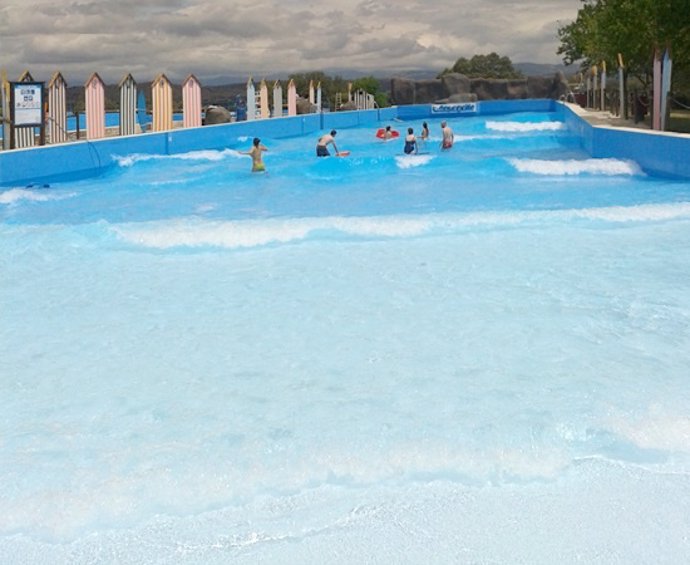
(657, 153)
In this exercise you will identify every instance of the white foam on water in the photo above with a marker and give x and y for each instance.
(207, 155)
(461, 137)
(410, 161)
(524, 127)
(18, 194)
(562, 167)
(659, 429)
(202, 208)
(196, 232)
(252, 233)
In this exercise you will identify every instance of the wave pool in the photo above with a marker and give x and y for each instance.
(472, 356)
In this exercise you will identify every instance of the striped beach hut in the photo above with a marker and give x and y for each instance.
(57, 109)
(292, 98)
(25, 136)
(251, 99)
(128, 105)
(161, 93)
(191, 102)
(264, 111)
(277, 99)
(94, 92)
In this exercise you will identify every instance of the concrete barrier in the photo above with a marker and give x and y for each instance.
(656, 152)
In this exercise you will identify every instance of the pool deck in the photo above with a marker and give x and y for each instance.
(606, 118)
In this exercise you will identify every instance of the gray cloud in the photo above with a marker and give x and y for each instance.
(264, 37)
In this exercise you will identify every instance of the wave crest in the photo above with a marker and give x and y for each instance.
(410, 161)
(17, 194)
(524, 126)
(197, 232)
(609, 167)
(206, 155)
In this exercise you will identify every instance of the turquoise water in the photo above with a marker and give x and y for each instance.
(472, 356)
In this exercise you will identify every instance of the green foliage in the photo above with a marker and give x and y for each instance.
(633, 28)
(372, 86)
(485, 66)
(330, 86)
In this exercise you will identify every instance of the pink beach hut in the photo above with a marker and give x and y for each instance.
(191, 102)
(94, 92)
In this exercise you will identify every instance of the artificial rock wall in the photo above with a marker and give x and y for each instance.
(455, 87)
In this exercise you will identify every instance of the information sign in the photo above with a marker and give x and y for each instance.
(27, 103)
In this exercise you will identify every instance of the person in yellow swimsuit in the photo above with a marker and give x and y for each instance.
(256, 153)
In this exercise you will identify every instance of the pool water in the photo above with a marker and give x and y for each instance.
(471, 356)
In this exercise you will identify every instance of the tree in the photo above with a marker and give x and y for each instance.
(330, 86)
(485, 66)
(372, 86)
(605, 28)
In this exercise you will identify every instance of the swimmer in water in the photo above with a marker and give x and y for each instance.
(448, 136)
(324, 141)
(410, 142)
(256, 153)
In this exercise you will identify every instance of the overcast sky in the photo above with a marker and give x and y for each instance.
(267, 38)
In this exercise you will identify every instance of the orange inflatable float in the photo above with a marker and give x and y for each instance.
(381, 133)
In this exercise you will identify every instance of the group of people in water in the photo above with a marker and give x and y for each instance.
(411, 144)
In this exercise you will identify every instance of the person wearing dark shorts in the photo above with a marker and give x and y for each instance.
(324, 141)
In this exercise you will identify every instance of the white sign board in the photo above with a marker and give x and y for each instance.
(28, 101)
(462, 108)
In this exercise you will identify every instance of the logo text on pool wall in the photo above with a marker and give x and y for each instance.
(466, 108)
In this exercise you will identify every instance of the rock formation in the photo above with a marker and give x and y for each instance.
(455, 87)
(216, 115)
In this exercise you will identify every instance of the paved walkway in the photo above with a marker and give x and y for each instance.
(606, 118)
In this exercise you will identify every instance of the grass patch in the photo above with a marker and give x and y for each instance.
(679, 121)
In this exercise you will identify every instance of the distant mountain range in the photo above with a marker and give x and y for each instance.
(528, 69)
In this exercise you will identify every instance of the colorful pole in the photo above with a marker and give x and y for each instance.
(656, 106)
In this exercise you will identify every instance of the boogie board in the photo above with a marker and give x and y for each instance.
(381, 133)
(343, 154)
